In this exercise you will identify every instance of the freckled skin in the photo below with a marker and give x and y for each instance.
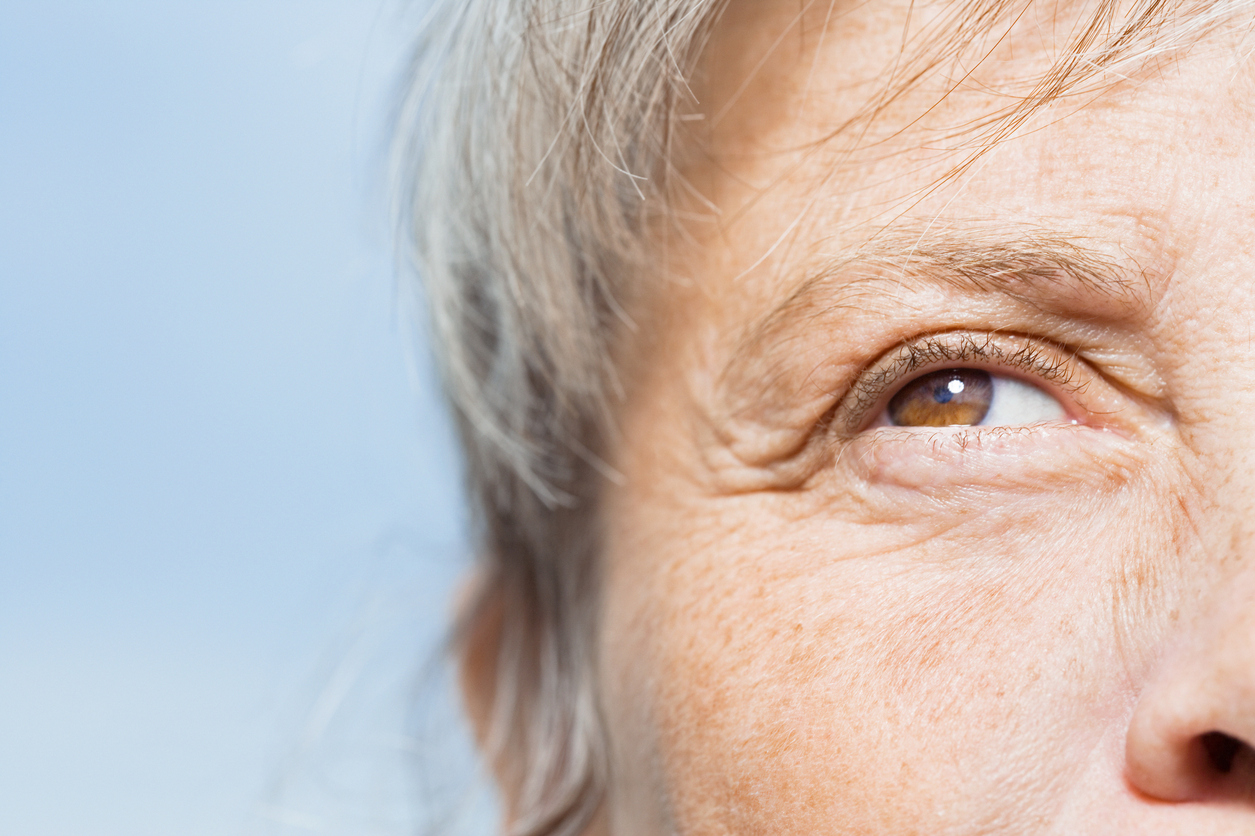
(1016, 631)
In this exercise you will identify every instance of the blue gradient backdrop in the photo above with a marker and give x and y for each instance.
(229, 517)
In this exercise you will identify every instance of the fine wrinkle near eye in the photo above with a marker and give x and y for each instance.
(970, 398)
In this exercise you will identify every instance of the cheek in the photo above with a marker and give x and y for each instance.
(770, 669)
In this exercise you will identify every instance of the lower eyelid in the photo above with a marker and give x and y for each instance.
(945, 459)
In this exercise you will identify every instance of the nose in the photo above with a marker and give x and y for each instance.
(1193, 728)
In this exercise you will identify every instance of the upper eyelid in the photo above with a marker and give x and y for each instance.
(1065, 287)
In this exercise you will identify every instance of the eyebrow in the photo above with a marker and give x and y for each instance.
(1043, 270)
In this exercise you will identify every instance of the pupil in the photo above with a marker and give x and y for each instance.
(944, 394)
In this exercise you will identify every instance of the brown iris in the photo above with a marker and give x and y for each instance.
(949, 398)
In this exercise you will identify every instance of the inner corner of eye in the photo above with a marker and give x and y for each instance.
(969, 398)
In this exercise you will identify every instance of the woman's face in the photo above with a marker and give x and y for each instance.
(939, 501)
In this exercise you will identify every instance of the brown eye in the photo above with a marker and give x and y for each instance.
(948, 398)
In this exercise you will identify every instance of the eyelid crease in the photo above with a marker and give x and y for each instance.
(1040, 272)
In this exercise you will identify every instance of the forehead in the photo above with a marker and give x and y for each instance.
(822, 126)
(865, 73)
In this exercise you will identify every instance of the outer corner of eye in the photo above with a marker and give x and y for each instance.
(971, 398)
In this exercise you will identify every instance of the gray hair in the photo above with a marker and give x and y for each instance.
(535, 139)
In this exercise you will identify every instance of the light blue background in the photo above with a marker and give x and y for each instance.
(229, 515)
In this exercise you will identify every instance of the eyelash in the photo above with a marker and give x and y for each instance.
(1034, 358)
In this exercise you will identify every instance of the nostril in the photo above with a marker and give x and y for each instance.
(1206, 766)
(1221, 750)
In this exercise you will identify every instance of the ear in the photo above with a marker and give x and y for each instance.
(489, 693)
(499, 672)
(480, 620)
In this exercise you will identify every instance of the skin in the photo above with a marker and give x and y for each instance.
(812, 622)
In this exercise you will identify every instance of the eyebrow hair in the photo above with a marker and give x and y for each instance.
(1038, 268)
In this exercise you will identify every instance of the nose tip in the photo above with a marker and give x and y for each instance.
(1193, 729)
